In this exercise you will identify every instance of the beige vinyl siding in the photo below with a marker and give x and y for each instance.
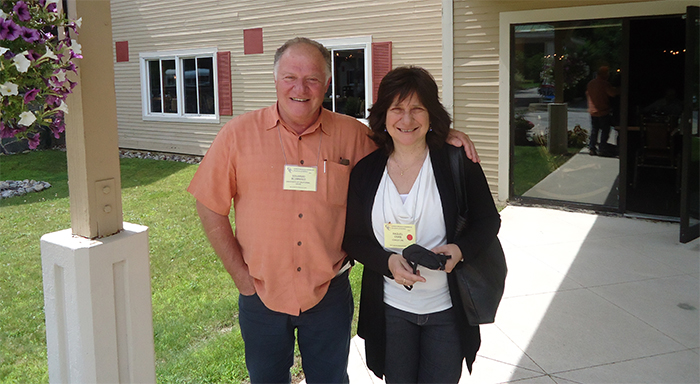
(476, 72)
(413, 26)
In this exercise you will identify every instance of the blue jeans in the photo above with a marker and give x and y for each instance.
(599, 124)
(323, 331)
(422, 348)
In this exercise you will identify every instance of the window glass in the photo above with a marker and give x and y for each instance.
(189, 68)
(346, 94)
(179, 84)
(169, 86)
(551, 126)
(154, 86)
(205, 82)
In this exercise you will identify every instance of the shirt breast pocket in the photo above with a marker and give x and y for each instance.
(337, 179)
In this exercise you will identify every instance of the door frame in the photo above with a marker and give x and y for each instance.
(688, 232)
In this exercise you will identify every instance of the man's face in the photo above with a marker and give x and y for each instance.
(301, 82)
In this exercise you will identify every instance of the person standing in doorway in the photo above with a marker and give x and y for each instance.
(598, 92)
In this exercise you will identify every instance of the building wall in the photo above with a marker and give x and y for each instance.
(477, 66)
(413, 27)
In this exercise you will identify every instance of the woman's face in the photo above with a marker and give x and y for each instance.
(407, 122)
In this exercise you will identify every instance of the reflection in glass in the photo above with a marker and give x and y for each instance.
(656, 95)
(551, 126)
(199, 85)
(205, 85)
(169, 86)
(189, 69)
(154, 85)
(346, 94)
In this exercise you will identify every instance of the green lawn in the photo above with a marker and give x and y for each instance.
(197, 339)
(531, 164)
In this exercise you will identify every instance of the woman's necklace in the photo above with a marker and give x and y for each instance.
(403, 170)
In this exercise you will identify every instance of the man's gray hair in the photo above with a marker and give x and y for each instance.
(303, 40)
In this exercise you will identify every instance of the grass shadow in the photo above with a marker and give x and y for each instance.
(51, 166)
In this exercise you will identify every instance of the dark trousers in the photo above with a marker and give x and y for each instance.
(323, 331)
(599, 124)
(422, 348)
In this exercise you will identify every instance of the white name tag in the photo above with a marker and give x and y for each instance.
(298, 178)
(399, 235)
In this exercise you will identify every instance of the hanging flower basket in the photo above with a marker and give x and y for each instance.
(34, 68)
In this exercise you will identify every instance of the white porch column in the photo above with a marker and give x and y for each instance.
(97, 297)
(97, 292)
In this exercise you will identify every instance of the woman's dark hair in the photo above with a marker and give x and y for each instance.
(403, 82)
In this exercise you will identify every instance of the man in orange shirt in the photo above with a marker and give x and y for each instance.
(599, 91)
(286, 168)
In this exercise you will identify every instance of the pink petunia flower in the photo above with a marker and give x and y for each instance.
(33, 56)
(30, 95)
(58, 125)
(5, 131)
(22, 11)
(9, 30)
(51, 100)
(30, 35)
(34, 140)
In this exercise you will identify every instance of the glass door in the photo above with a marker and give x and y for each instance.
(551, 123)
(690, 176)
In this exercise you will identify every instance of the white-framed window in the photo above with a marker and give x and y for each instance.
(180, 85)
(350, 91)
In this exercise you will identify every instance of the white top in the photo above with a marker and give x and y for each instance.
(422, 207)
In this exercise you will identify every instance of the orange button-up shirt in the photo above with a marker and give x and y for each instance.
(599, 92)
(290, 240)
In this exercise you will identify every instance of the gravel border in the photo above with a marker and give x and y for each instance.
(189, 159)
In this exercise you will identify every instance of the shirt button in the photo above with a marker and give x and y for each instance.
(298, 269)
(299, 243)
(301, 215)
(302, 162)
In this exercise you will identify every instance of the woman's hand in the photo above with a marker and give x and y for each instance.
(454, 252)
(402, 271)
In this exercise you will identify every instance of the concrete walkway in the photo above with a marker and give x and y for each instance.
(582, 179)
(589, 299)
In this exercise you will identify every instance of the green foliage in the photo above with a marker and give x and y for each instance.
(33, 68)
(353, 107)
(195, 303)
(521, 130)
(578, 137)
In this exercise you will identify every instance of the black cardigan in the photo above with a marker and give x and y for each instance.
(361, 244)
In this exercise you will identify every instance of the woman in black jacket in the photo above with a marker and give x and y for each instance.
(415, 331)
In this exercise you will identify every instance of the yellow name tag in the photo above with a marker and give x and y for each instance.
(300, 178)
(399, 235)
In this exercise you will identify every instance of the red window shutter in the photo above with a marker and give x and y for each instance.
(223, 66)
(381, 64)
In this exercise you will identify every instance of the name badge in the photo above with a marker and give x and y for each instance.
(399, 235)
(298, 178)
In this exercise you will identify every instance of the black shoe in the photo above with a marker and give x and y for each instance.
(592, 152)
